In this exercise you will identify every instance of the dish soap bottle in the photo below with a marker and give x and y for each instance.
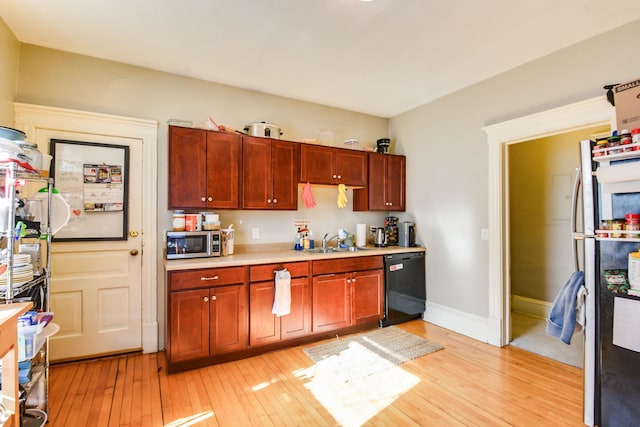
(297, 243)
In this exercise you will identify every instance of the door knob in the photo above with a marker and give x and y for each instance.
(133, 233)
(133, 252)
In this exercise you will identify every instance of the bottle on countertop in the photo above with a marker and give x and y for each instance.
(297, 243)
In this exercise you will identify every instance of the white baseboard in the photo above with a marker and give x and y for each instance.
(473, 326)
(150, 337)
(530, 306)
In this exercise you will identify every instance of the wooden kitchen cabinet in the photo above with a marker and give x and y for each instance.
(346, 292)
(387, 185)
(208, 313)
(204, 169)
(329, 165)
(269, 174)
(264, 326)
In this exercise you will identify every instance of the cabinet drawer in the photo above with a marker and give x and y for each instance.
(345, 265)
(260, 273)
(206, 278)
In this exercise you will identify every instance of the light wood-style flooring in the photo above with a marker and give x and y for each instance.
(469, 383)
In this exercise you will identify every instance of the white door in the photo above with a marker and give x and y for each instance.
(96, 285)
(104, 294)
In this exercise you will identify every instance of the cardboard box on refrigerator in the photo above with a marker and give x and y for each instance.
(626, 96)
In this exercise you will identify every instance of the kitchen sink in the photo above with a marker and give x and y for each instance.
(350, 249)
(333, 249)
(329, 250)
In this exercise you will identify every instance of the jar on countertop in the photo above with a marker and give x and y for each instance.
(179, 221)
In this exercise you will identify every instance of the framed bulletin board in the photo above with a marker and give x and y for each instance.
(93, 180)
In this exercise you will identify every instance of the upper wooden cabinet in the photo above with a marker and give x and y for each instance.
(329, 165)
(204, 169)
(270, 174)
(386, 187)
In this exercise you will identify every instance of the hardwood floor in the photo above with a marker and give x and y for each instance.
(466, 384)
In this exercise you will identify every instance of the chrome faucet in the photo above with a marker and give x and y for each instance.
(325, 240)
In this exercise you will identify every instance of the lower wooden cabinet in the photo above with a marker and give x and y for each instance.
(218, 314)
(208, 319)
(347, 292)
(264, 326)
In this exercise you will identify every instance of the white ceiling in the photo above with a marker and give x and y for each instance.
(381, 57)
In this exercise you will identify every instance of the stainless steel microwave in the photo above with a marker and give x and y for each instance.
(193, 244)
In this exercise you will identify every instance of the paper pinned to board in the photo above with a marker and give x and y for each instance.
(626, 323)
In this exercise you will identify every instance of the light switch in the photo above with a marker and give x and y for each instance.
(484, 234)
(255, 233)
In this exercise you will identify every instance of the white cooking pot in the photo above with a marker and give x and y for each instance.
(267, 130)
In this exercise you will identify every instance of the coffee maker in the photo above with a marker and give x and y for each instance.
(407, 234)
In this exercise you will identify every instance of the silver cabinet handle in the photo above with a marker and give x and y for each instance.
(205, 299)
(275, 200)
(213, 297)
(209, 278)
(210, 199)
(268, 200)
(203, 199)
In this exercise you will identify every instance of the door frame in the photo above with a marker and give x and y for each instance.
(591, 112)
(29, 118)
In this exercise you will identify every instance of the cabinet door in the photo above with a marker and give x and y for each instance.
(366, 296)
(317, 164)
(395, 190)
(298, 322)
(284, 163)
(229, 319)
(256, 173)
(386, 188)
(189, 325)
(377, 189)
(224, 158)
(331, 302)
(264, 326)
(187, 167)
(351, 167)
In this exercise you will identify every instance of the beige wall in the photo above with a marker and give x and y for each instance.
(541, 174)
(9, 48)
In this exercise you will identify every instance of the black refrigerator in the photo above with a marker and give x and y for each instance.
(610, 191)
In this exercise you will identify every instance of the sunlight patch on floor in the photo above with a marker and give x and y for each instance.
(353, 403)
(191, 420)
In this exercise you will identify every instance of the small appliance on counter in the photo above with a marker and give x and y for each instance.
(391, 230)
(379, 237)
(193, 244)
(407, 234)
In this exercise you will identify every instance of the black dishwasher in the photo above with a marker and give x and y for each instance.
(405, 287)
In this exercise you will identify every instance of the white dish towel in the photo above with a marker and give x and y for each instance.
(282, 300)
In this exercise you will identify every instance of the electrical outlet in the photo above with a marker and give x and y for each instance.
(255, 233)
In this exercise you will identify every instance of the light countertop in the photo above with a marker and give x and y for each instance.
(277, 253)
